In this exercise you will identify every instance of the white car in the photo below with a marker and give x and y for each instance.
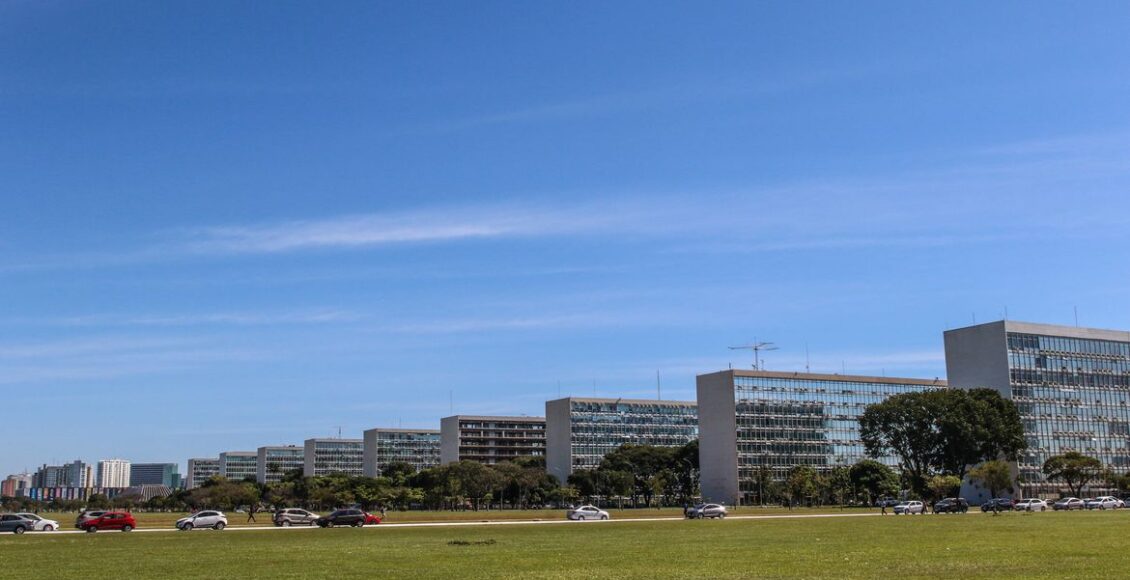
(587, 512)
(41, 525)
(1105, 502)
(1031, 505)
(909, 507)
(205, 519)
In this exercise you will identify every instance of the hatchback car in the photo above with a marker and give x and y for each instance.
(205, 519)
(41, 524)
(15, 523)
(951, 505)
(371, 519)
(347, 517)
(1069, 503)
(110, 521)
(1000, 504)
(87, 515)
(587, 512)
(909, 507)
(1031, 505)
(707, 510)
(1105, 502)
(295, 517)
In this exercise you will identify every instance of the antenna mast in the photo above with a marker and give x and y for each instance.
(756, 347)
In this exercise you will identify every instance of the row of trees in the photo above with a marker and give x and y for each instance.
(643, 474)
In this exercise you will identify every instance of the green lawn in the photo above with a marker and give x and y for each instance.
(1059, 545)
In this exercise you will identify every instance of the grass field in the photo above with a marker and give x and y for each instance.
(1051, 545)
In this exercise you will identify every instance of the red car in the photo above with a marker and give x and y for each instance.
(371, 519)
(110, 521)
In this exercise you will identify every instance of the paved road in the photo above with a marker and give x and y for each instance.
(454, 524)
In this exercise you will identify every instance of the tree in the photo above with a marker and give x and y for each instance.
(839, 484)
(1074, 469)
(994, 475)
(801, 483)
(904, 426)
(873, 479)
(944, 485)
(398, 472)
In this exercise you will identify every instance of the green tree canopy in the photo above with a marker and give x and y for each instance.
(1074, 469)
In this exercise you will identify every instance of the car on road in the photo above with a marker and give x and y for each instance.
(346, 517)
(909, 507)
(1068, 504)
(1031, 505)
(887, 502)
(587, 512)
(87, 515)
(41, 524)
(372, 519)
(1000, 504)
(110, 521)
(1105, 502)
(295, 517)
(707, 510)
(951, 505)
(209, 519)
(15, 523)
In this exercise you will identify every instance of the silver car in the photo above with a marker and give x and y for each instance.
(205, 519)
(587, 512)
(41, 524)
(909, 507)
(707, 510)
(294, 517)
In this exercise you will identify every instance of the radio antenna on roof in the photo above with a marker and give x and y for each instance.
(756, 347)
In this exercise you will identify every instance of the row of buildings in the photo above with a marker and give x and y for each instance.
(79, 480)
(1071, 386)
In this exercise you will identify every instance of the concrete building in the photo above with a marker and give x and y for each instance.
(490, 440)
(326, 456)
(201, 469)
(239, 465)
(15, 485)
(754, 422)
(1071, 386)
(579, 432)
(416, 447)
(166, 474)
(49, 476)
(277, 460)
(78, 473)
(113, 473)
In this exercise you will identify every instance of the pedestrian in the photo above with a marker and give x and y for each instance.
(251, 515)
(883, 505)
(382, 512)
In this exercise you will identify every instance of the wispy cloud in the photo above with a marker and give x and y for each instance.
(322, 316)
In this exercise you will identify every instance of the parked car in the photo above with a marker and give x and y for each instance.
(346, 517)
(707, 510)
(951, 505)
(110, 521)
(1105, 502)
(15, 523)
(909, 507)
(587, 512)
(1069, 503)
(371, 520)
(41, 524)
(887, 502)
(1031, 505)
(203, 519)
(87, 515)
(1001, 504)
(295, 517)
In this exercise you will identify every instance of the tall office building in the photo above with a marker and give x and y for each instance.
(113, 473)
(416, 447)
(579, 432)
(1071, 386)
(326, 456)
(754, 420)
(201, 469)
(239, 465)
(490, 440)
(275, 461)
(50, 476)
(166, 474)
(78, 473)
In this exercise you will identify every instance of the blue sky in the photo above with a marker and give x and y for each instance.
(229, 225)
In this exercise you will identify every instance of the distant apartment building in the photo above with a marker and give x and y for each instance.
(15, 485)
(1071, 386)
(751, 421)
(581, 431)
(416, 447)
(275, 461)
(326, 456)
(201, 469)
(78, 474)
(239, 465)
(49, 476)
(489, 439)
(166, 474)
(113, 473)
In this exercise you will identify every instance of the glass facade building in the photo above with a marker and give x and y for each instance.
(490, 440)
(1070, 385)
(201, 470)
(416, 447)
(166, 474)
(277, 460)
(239, 465)
(752, 421)
(581, 431)
(326, 456)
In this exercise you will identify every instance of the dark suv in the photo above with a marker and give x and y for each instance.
(951, 505)
(349, 517)
(1000, 504)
